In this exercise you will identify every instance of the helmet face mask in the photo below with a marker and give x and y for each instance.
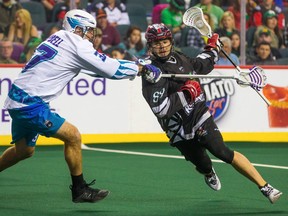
(81, 19)
(156, 33)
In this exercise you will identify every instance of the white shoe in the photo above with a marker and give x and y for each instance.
(271, 193)
(213, 181)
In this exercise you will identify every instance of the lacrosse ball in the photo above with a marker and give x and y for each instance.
(278, 110)
(199, 24)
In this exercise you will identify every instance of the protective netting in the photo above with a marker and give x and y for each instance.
(193, 17)
(255, 77)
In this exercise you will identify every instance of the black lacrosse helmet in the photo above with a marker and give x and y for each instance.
(157, 32)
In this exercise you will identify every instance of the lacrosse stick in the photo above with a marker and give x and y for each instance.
(193, 17)
(254, 77)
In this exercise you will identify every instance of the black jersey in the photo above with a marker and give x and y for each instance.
(177, 118)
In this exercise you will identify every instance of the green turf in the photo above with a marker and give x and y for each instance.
(141, 185)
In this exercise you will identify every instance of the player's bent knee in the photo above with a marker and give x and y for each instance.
(68, 133)
(77, 137)
(229, 157)
(25, 153)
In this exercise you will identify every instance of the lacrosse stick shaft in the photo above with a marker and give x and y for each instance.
(264, 98)
(209, 76)
(191, 76)
(232, 62)
(239, 70)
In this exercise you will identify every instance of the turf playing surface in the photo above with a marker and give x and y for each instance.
(142, 185)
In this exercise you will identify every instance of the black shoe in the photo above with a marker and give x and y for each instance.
(84, 193)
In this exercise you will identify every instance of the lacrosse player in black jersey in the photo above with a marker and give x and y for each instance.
(180, 107)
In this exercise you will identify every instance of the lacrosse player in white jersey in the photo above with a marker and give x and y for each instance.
(55, 62)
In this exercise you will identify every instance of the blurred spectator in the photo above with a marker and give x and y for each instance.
(6, 50)
(116, 12)
(280, 3)
(61, 8)
(1, 34)
(54, 29)
(172, 16)
(227, 25)
(111, 36)
(133, 42)
(270, 22)
(156, 12)
(265, 35)
(50, 29)
(227, 47)
(285, 34)
(215, 11)
(8, 9)
(48, 5)
(119, 53)
(97, 42)
(235, 9)
(262, 8)
(263, 55)
(194, 38)
(155, 2)
(22, 28)
(251, 6)
(29, 49)
(235, 42)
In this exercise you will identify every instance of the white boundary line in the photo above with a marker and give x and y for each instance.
(85, 147)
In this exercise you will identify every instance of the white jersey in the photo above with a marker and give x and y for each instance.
(57, 61)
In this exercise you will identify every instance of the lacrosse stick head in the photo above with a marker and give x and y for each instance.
(193, 17)
(254, 77)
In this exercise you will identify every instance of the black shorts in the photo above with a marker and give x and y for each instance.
(207, 137)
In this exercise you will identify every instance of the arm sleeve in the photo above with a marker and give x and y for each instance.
(98, 64)
(204, 62)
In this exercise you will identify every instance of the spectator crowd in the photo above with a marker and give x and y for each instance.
(119, 35)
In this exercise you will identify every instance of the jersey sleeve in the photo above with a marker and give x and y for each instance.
(98, 64)
(204, 62)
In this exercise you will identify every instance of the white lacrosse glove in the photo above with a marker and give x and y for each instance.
(143, 61)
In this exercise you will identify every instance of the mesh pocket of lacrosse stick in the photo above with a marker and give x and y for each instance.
(254, 77)
(193, 17)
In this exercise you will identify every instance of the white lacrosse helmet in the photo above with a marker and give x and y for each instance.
(80, 18)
